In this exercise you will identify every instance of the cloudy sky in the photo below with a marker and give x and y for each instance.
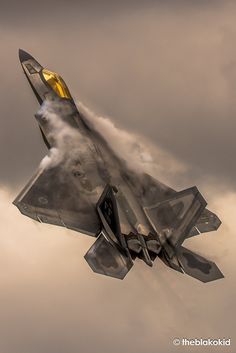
(159, 72)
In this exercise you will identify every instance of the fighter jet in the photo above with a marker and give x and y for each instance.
(84, 186)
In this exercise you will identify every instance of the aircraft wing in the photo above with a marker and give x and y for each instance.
(207, 222)
(55, 196)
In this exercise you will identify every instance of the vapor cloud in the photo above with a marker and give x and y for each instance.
(67, 142)
(69, 146)
(138, 152)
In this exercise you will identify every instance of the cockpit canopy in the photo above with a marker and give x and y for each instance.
(57, 83)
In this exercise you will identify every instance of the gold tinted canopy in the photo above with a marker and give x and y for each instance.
(57, 83)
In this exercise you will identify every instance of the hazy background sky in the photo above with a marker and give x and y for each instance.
(165, 74)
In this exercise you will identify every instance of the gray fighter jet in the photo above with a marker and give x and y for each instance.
(82, 185)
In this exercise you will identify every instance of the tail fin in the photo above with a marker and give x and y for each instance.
(175, 217)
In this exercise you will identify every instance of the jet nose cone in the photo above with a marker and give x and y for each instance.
(23, 55)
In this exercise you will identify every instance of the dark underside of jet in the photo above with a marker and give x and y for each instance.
(83, 185)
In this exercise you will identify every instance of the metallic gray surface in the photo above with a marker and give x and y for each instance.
(175, 217)
(197, 266)
(107, 258)
(84, 186)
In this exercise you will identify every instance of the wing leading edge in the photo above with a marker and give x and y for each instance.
(53, 196)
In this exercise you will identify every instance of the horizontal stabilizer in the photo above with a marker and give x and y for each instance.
(106, 258)
(197, 266)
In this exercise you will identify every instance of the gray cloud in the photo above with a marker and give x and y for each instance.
(45, 8)
(167, 74)
(53, 302)
(163, 72)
